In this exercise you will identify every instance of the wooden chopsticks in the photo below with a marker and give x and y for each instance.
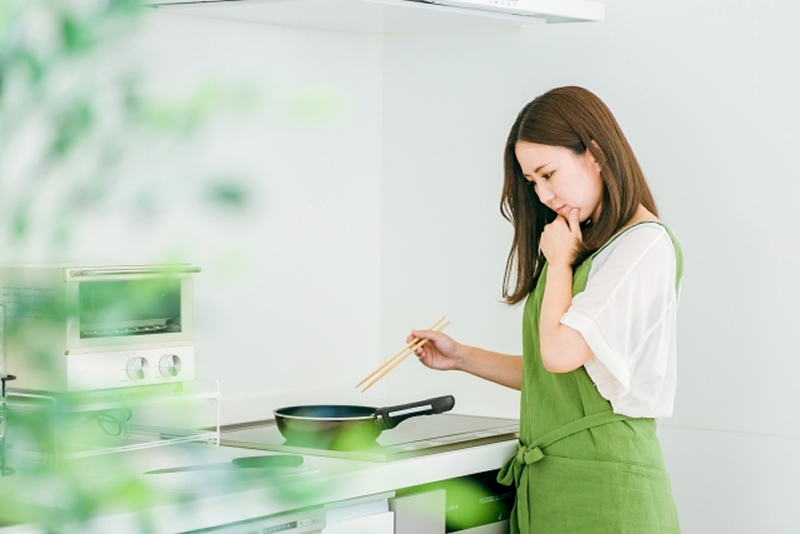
(392, 362)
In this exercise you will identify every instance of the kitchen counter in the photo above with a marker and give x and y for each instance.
(199, 499)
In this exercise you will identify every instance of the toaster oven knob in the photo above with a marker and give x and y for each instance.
(137, 368)
(169, 365)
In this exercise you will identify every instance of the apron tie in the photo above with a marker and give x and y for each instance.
(513, 470)
(512, 473)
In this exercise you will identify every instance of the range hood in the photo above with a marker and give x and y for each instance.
(391, 16)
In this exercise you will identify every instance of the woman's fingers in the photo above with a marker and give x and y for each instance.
(561, 237)
(422, 334)
(575, 223)
(439, 352)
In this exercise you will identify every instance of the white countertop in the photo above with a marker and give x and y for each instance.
(199, 499)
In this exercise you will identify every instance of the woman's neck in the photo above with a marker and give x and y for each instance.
(642, 214)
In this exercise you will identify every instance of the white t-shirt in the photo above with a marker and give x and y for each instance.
(627, 315)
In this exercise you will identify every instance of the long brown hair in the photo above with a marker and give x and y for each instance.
(573, 118)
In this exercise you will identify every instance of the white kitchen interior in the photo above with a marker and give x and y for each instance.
(379, 212)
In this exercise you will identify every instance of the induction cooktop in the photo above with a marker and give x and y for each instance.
(414, 437)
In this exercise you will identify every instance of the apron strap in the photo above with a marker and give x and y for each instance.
(512, 471)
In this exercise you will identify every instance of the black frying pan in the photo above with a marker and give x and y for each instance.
(338, 427)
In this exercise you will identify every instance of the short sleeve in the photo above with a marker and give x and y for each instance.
(627, 314)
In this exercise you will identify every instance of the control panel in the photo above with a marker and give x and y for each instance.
(300, 522)
(102, 370)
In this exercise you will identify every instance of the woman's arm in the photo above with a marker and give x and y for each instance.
(503, 369)
(443, 353)
(563, 348)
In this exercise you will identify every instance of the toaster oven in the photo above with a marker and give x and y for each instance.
(80, 328)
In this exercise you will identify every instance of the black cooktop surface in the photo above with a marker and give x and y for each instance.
(415, 437)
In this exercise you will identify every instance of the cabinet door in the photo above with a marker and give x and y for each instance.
(380, 523)
(420, 513)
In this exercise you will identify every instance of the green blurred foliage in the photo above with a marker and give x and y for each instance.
(315, 105)
(74, 123)
(78, 127)
(228, 193)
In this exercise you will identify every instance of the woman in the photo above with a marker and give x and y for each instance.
(601, 277)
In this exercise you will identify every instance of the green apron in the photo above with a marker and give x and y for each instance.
(580, 467)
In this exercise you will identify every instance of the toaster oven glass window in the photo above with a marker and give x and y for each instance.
(129, 307)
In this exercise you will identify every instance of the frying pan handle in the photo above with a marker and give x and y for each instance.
(391, 416)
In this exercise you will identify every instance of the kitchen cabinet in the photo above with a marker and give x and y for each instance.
(381, 523)
(355, 496)
(471, 504)
(367, 515)
(421, 513)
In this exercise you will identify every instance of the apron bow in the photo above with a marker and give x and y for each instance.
(512, 468)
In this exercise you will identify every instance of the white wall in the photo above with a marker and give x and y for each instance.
(287, 304)
(444, 243)
(706, 92)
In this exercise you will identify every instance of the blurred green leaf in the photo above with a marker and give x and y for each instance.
(125, 7)
(75, 121)
(20, 222)
(5, 15)
(76, 36)
(134, 492)
(131, 98)
(188, 113)
(33, 65)
(228, 194)
(315, 104)
(73, 106)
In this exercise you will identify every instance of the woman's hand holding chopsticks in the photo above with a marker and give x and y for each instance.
(412, 345)
(440, 352)
(443, 353)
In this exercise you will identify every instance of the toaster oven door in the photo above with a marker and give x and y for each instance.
(129, 308)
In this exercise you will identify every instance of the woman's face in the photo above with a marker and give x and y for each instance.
(562, 180)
